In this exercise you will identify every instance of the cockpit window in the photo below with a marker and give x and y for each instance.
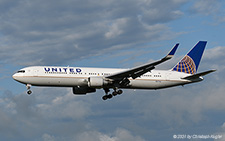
(21, 71)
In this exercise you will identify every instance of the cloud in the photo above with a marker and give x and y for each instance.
(206, 7)
(47, 137)
(212, 8)
(55, 114)
(93, 136)
(220, 134)
(214, 57)
(119, 135)
(160, 11)
(21, 113)
(41, 33)
(122, 135)
(116, 28)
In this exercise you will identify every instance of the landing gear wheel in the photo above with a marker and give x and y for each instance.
(28, 89)
(119, 92)
(114, 93)
(109, 96)
(105, 97)
(29, 92)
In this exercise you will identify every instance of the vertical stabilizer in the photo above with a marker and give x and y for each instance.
(189, 64)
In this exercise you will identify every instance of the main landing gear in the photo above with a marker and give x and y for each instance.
(114, 93)
(28, 89)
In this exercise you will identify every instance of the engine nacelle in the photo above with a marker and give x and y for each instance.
(83, 90)
(96, 82)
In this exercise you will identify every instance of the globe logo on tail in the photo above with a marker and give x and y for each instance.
(186, 65)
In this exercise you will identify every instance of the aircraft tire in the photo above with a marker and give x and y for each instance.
(109, 96)
(29, 92)
(119, 92)
(105, 97)
(114, 93)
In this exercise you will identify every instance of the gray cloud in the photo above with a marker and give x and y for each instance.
(55, 32)
(211, 8)
(214, 57)
(160, 11)
(206, 7)
(119, 135)
(56, 114)
(221, 132)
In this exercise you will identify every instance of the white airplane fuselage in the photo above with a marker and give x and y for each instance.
(78, 76)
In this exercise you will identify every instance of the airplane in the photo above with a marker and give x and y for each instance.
(85, 80)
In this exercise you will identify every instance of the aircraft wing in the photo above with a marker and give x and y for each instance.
(140, 70)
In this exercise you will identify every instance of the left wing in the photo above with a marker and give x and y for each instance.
(140, 70)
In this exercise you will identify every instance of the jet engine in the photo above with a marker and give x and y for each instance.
(97, 82)
(83, 90)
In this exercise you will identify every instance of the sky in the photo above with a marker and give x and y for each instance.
(115, 34)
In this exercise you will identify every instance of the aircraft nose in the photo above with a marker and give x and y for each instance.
(16, 77)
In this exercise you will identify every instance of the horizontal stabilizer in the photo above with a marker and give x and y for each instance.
(197, 75)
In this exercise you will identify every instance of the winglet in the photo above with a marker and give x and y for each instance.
(172, 51)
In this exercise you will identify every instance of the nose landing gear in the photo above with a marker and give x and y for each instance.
(28, 89)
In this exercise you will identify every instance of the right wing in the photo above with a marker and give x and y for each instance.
(140, 70)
